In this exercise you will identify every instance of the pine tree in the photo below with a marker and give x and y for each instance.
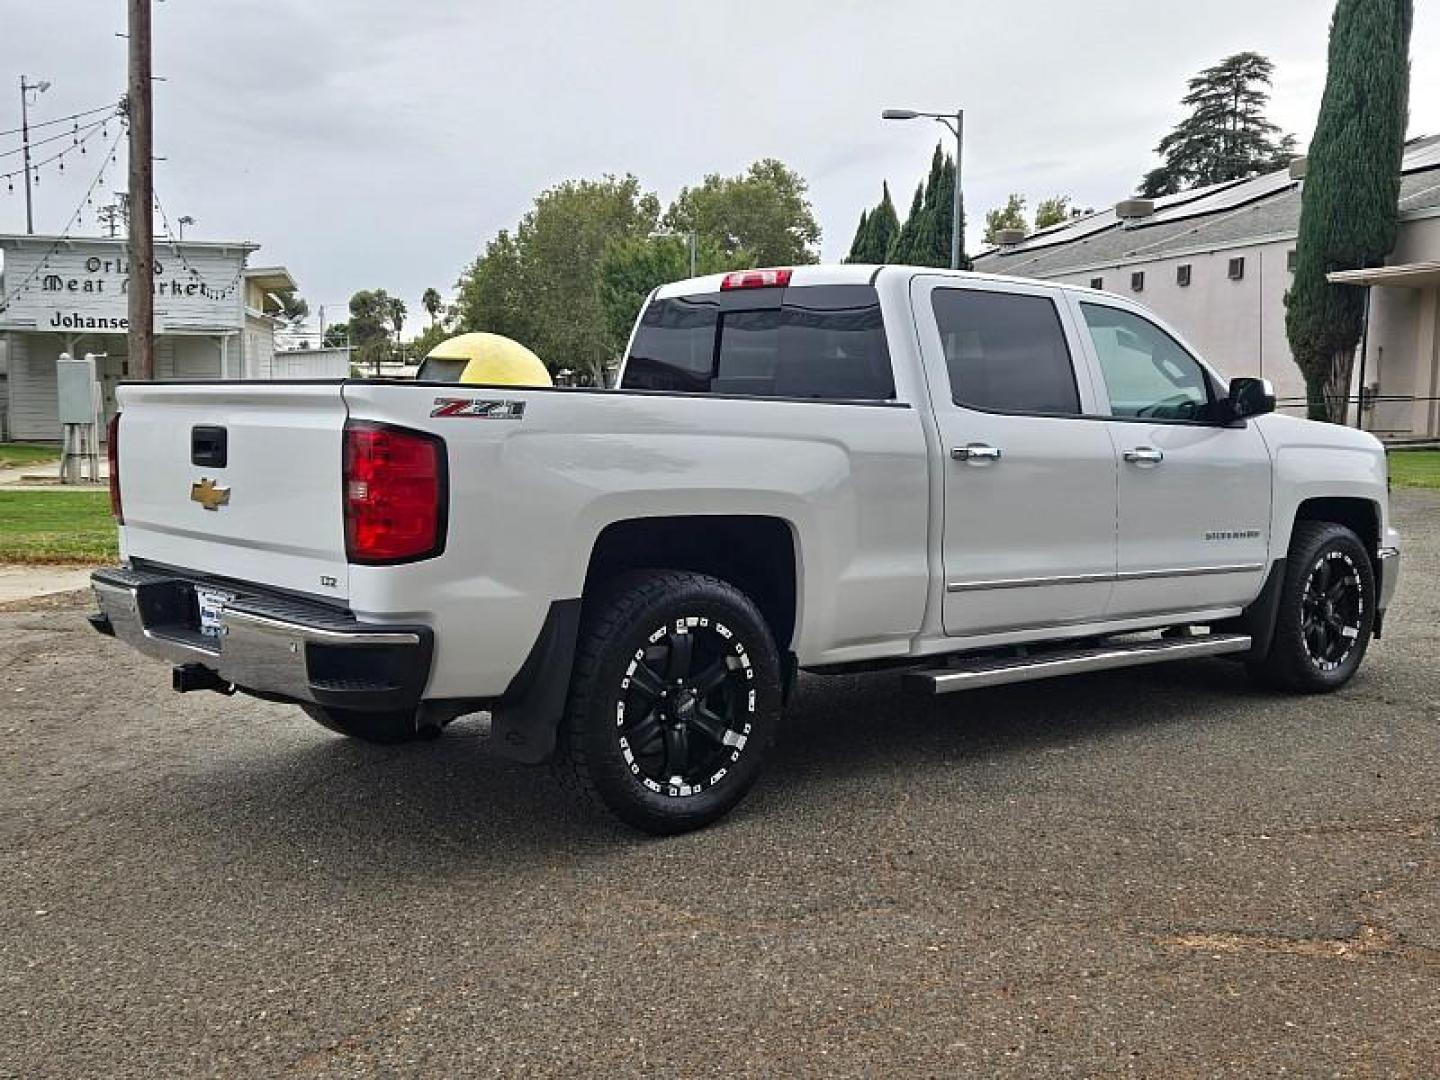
(1349, 205)
(1226, 136)
(940, 216)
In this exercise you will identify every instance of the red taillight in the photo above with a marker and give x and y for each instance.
(756, 279)
(112, 457)
(395, 494)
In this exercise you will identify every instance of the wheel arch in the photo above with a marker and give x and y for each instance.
(758, 554)
(1360, 515)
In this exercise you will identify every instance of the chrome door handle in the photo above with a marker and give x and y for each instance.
(976, 452)
(1145, 455)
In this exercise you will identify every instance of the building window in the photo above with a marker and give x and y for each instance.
(1137, 281)
(1182, 275)
(1292, 259)
(1097, 283)
(1237, 269)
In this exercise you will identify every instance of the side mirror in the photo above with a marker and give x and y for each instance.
(1250, 397)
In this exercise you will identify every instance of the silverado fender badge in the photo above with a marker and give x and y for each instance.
(208, 495)
(479, 408)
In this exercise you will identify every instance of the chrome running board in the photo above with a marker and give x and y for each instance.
(972, 673)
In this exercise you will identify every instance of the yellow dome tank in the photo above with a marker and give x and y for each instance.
(483, 358)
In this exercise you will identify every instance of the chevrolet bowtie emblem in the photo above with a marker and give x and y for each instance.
(208, 495)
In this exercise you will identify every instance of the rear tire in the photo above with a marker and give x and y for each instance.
(383, 728)
(1326, 612)
(674, 702)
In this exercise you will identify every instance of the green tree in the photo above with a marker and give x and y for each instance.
(858, 246)
(907, 246)
(294, 309)
(760, 218)
(1349, 204)
(938, 215)
(337, 336)
(1052, 211)
(1009, 216)
(631, 268)
(1226, 136)
(431, 302)
(878, 228)
(538, 285)
(370, 315)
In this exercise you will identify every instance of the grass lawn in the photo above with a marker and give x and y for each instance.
(1415, 468)
(56, 527)
(21, 455)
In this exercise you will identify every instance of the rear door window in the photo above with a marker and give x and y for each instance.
(1006, 352)
(820, 342)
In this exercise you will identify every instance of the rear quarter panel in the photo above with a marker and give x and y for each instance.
(530, 496)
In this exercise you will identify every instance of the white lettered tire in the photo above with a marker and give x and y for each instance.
(674, 701)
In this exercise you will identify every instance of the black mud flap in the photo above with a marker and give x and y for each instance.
(526, 720)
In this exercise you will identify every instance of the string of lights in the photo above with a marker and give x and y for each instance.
(35, 166)
(173, 243)
(64, 236)
(62, 119)
(73, 134)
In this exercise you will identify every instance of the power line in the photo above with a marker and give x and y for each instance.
(72, 134)
(80, 145)
(60, 119)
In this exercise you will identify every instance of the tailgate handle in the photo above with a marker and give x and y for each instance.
(208, 445)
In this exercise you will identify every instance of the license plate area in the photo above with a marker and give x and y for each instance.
(209, 608)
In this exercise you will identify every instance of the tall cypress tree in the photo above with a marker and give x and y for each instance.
(939, 215)
(884, 224)
(861, 241)
(905, 248)
(1349, 205)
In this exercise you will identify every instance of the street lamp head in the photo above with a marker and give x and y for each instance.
(42, 86)
(899, 114)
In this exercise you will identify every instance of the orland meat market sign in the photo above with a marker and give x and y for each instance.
(84, 285)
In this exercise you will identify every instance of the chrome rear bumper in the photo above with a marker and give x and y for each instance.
(269, 645)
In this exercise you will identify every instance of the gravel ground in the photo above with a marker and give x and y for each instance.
(1152, 873)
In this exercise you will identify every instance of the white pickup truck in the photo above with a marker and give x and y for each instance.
(979, 480)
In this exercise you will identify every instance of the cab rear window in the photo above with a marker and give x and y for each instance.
(816, 341)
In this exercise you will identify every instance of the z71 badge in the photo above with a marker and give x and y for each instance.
(479, 408)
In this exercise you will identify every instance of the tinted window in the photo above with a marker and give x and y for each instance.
(440, 369)
(674, 347)
(1146, 371)
(1006, 352)
(822, 341)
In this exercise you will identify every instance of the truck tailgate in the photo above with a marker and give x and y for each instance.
(270, 513)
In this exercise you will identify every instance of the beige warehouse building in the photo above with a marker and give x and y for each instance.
(1216, 263)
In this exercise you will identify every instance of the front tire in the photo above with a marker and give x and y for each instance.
(674, 702)
(1326, 613)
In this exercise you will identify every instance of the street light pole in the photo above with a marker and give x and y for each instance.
(25, 88)
(955, 124)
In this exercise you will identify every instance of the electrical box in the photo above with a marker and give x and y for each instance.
(78, 390)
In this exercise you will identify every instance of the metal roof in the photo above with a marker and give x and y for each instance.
(1208, 218)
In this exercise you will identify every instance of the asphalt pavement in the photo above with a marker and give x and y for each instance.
(1161, 872)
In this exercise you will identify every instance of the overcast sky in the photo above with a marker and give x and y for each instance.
(369, 143)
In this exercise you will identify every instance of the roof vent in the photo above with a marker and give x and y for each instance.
(1134, 209)
(1299, 167)
(1009, 238)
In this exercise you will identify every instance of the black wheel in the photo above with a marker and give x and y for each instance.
(386, 728)
(1327, 611)
(674, 701)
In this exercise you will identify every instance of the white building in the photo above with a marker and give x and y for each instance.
(214, 319)
(1217, 262)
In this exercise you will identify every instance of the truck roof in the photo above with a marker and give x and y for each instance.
(833, 274)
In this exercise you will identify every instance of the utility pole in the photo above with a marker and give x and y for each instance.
(25, 88)
(142, 197)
